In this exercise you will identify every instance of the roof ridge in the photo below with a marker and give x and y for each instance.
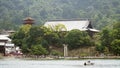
(76, 19)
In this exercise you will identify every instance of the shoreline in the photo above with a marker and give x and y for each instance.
(68, 58)
(58, 58)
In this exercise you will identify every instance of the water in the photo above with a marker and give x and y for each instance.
(99, 63)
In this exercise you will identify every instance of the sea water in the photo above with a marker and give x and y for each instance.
(98, 63)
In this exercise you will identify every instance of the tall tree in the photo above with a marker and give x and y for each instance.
(76, 39)
(115, 44)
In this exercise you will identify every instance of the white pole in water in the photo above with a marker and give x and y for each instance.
(65, 50)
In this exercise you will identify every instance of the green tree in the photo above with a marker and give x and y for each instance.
(35, 35)
(25, 49)
(105, 38)
(115, 45)
(18, 38)
(52, 38)
(38, 50)
(76, 39)
(110, 40)
(55, 34)
(116, 31)
(100, 48)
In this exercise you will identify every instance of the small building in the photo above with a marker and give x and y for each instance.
(6, 45)
(29, 21)
(82, 25)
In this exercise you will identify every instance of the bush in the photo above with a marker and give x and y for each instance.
(100, 48)
(115, 46)
(38, 50)
(56, 53)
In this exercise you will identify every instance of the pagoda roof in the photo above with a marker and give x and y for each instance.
(28, 18)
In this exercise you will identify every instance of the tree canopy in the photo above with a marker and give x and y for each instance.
(110, 40)
(76, 39)
(101, 12)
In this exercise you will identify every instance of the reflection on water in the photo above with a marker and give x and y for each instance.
(99, 63)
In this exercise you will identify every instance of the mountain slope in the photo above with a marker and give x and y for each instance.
(101, 12)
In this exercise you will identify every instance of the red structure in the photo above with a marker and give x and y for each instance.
(29, 21)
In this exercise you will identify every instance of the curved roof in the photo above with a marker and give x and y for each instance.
(82, 25)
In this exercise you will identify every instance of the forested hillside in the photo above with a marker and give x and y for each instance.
(101, 12)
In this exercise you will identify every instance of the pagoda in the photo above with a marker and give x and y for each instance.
(28, 20)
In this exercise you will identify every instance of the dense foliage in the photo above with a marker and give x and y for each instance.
(77, 39)
(110, 40)
(102, 12)
(38, 40)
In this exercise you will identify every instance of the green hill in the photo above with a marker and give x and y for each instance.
(101, 12)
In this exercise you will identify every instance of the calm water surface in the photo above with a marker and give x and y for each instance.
(99, 63)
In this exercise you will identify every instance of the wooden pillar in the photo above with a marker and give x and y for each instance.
(65, 50)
